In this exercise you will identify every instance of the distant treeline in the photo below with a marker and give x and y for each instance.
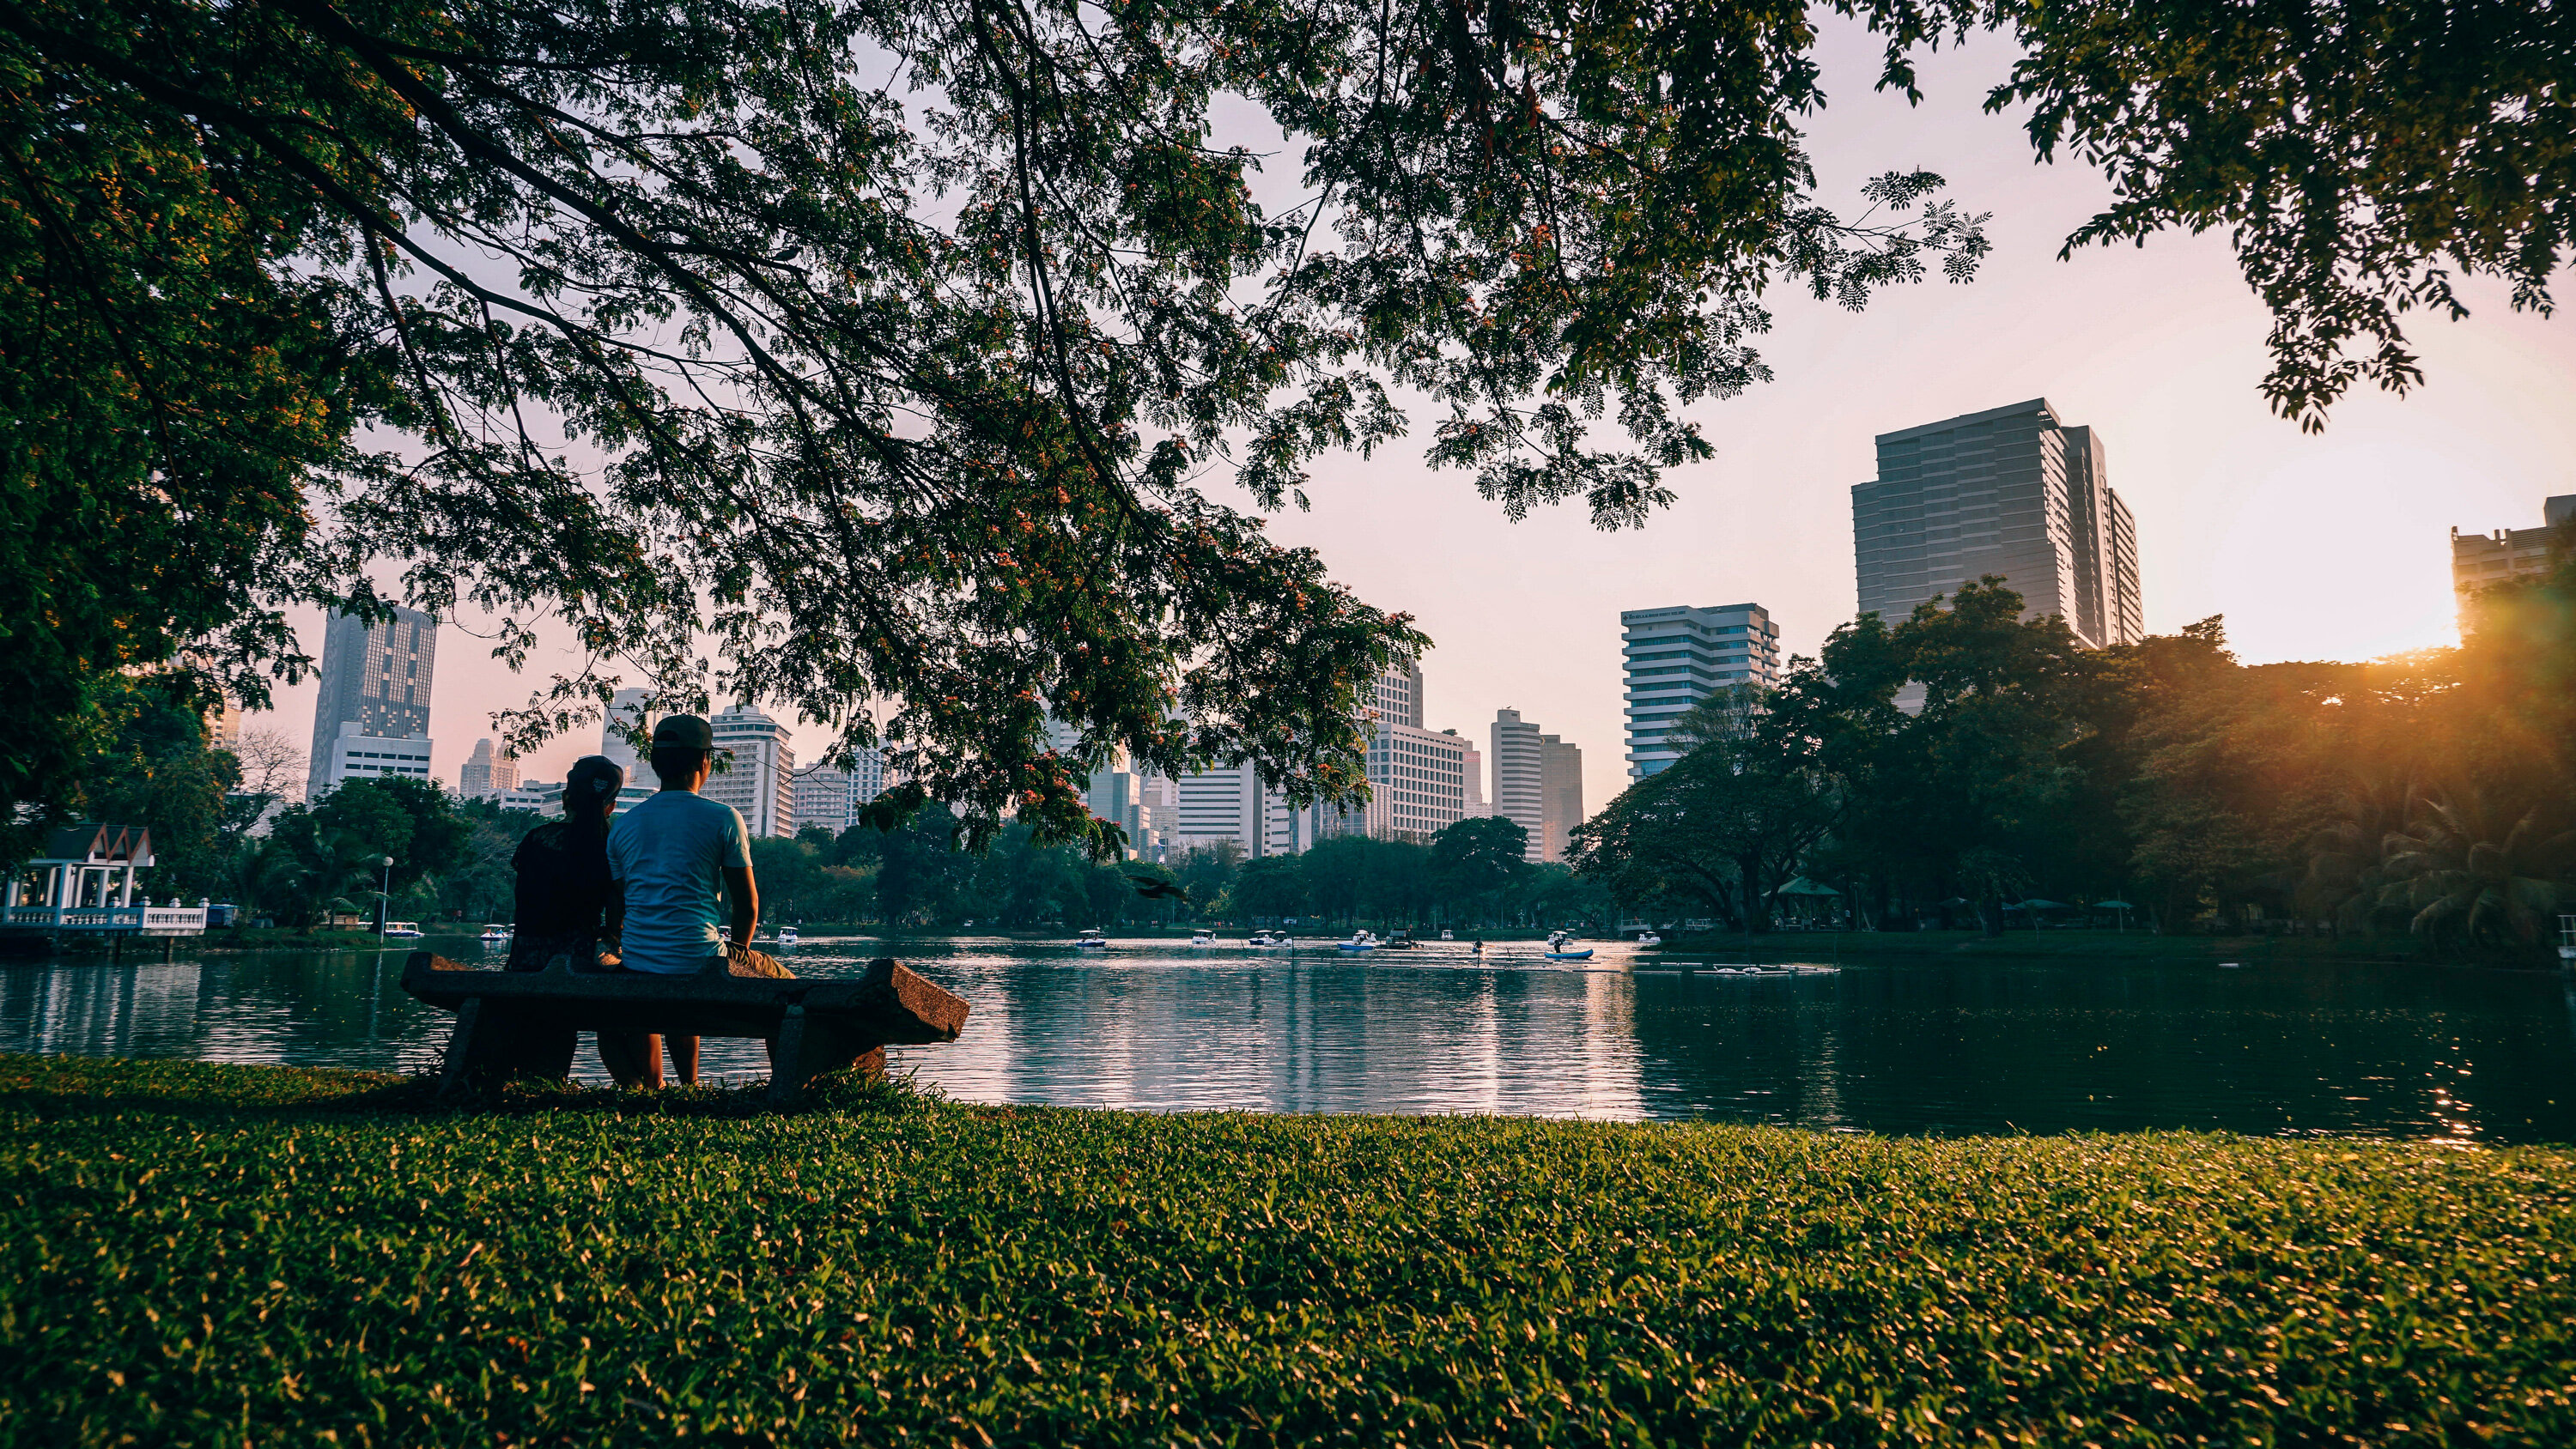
(1941, 767)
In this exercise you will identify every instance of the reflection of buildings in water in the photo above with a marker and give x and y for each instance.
(1293, 1036)
(145, 1010)
(1609, 1048)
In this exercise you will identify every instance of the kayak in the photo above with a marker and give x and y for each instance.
(1583, 955)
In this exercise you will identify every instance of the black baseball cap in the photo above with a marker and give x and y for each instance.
(684, 732)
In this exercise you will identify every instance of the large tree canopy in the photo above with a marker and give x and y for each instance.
(887, 351)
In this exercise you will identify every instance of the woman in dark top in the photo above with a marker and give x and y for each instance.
(568, 908)
(569, 911)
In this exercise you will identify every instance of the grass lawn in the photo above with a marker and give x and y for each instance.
(209, 1255)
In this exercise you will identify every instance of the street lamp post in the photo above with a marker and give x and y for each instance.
(384, 902)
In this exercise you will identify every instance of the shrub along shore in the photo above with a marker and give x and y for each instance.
(202, 1254)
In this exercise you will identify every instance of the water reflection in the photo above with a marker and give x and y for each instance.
(2409, 1053)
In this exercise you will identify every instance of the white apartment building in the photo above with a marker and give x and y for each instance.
(545, 797)
(1680, 655)
(641, 782)
(350, 755)
(823, 797)
(758, 777)
(1229, 804)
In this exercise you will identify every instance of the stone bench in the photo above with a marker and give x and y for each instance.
(814, 1025)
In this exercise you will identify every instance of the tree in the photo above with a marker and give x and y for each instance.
(2362, 156)
(914, 397)
(1728, 822)
(1269, 888)
(1477, 860)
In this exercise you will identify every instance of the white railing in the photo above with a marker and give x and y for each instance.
(144, 920)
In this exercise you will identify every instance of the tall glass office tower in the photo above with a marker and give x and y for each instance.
(372, 716)
(2013, 491)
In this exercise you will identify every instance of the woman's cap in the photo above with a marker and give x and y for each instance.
(594, 776)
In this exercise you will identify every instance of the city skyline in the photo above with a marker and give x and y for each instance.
(2159, 348)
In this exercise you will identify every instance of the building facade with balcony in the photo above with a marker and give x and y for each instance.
(1680, 655)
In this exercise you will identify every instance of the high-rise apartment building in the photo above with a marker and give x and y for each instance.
(2489, 558)
(1472, 769)
(2011, 491)
(758, 771)
(868, 778)
(823, 797)
(1680, 655)
(487, 772)
(376, 677)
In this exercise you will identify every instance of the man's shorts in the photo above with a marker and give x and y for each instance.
(744, 961)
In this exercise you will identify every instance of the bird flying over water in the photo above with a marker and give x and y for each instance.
(1154, 889)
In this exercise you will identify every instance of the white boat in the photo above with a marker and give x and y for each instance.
(787, 935)
(1359, 941)
(1270, 940)
(402, 930)
(1649, 940)
(1201, 938)
(1091, 940)
(1446, 936)
(498, 933)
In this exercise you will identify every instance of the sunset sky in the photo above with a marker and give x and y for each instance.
(2330, 546)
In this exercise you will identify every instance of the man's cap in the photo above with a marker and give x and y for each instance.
(684, 731)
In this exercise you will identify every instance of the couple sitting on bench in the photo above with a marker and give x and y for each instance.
(641, 894)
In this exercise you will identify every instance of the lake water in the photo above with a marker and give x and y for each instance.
(2389, 1052)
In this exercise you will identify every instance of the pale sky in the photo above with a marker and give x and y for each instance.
(2331, 546)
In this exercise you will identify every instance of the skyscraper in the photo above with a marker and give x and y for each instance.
(377, 678)
(758, 776)
(2011, 491)
(488, 771)
(1679, 656)
(1560, 795)
(1520, 779)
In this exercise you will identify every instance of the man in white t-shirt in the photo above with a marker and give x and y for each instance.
(683, 863)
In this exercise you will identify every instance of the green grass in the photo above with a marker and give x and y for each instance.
(206, 1255)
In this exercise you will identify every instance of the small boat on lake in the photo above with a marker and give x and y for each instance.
(1091, 940)
(499, 933)
(1202, 938)
(1649, 940)
(1269, 941)
(1448, 936)
(402, 931)
(1359, 941)
(787, 935)
(1583, 955)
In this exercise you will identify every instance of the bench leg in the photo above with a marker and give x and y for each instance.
(460, 1048)
(805, 1050)
(787, 1069)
